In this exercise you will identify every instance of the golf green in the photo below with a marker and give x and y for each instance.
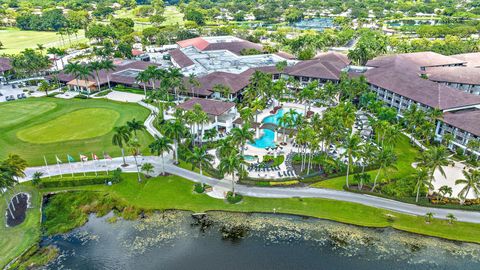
(77, 125)
(38, 127)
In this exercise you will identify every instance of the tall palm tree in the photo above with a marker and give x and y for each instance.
(160, 146)
(107, 65)
(386, 158)
(176, 79)
(193, 83)
(225, 147)
(423, 179)
(95, 67)
(134, 126)
(74, 69)
(230, 165)
(175, 130)
(435, 158)
(471, 181)
(121, 137)
(242, 135)
(200, 158)
(152, 73)
(144, 78)
(134, 146)
(352, 150)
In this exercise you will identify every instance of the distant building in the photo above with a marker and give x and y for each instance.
(5, 68)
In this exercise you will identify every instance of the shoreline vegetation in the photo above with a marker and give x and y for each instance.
(131, 199)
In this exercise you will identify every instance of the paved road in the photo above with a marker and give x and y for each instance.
(262, 192)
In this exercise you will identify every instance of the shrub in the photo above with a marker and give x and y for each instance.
(81, 96)
(262, 184)
(284, 183)
(76, 181)
(199, 188)
(234, 199)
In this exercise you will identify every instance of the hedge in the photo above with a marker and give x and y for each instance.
(76, 181)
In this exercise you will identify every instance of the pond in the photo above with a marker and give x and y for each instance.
(170, 240)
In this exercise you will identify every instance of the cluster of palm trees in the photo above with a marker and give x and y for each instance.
(169, 80)
(92, 69)
(10, 170)
(421, 123)
(127, 136)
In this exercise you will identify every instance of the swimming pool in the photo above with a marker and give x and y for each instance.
(268, 137)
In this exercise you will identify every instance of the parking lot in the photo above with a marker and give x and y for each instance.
(7, 91)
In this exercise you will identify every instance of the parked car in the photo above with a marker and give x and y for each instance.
(9, 98)
(21, 95)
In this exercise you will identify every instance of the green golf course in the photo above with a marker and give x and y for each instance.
(36, 127)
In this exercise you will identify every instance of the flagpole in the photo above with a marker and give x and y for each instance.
(83, 167)
(58, 165)
(46, 167)
(71, 168)
(105, 160)
(94, 165)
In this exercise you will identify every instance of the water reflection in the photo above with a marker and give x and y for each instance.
(170, 241)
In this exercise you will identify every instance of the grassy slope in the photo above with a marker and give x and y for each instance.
(33, 153)
(16, 40)
(173, 192)
(405, 157)
(13, 241)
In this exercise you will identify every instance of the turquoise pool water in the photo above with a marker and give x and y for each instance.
(268, 137)
(250, 158)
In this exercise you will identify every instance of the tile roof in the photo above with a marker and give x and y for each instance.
(180, 58)
(317, 68)
(210, 106)
(471, 59)
(465, 75)
(197, 42)
(5, 64)
(410, 85)
(414, 60)
(468, 120)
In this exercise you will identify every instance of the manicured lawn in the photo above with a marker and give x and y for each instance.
(172, 15)
(405, 157)
(36, 127)
(13, 241)
(16, 40)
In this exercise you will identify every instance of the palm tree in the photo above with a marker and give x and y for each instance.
(471, 181)
(74, 69)
(200, 158)
(175, 78)
(210, 134)
(231, 164)
(451, 218)
(447, 139)
(175, 130)
(7, 181)
(386, 159)
(429, 217)
(242, 135)
(160, 146)
(134, 126)
(95, 67)
(423, 179)
(36, 178)
(121, 137)
(444, 190)
(134, 146)
(107, 65)
(40, 47)
(435, 158)
(144, 78)
(152, 72)
(193, 83)
(147, 168)
(352, 150)
(225, 147)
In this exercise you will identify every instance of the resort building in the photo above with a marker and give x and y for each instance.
(399, 83)
(204, 55)
(125, 74)
(221, 114)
